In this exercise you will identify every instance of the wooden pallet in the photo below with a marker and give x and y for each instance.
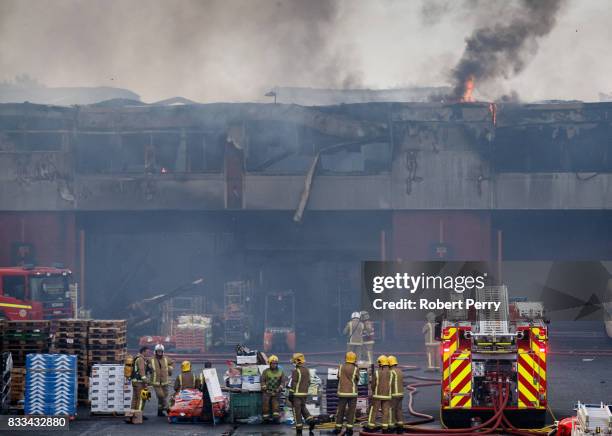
(107, 359)
(113, 323)
(108, 414)
(18, 343)
(121, 340)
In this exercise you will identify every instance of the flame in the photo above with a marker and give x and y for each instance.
(468, 89)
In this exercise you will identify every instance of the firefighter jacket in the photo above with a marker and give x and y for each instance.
(140, 369)
(397, 387)
(368, 332)
(300, 381)
(354, 331)
(348, 377)
(161, 370)
(272, 380)
(186, 380)
(429, 330)
(382, 380)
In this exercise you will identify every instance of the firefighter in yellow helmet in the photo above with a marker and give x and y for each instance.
(348, 378)
(161, 371)
(397, 395)
(382, 380)
(298, 393)
(272, 383)
(186, 379)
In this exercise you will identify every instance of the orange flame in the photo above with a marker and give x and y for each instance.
(468, 90)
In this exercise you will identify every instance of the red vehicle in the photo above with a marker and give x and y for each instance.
(34, 293)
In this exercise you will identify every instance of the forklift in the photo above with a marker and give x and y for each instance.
(279, 322)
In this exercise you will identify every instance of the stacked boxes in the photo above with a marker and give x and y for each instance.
(70, 337)
(251, 379)
(109, 391)
(51, 384)
(6, 365)
(106, 341)
(193, 333)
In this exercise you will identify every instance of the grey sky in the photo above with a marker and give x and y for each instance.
(234, 50)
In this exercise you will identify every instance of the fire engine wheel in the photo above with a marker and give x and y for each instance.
(459, 418)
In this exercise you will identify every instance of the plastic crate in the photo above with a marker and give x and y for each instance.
(244, 405)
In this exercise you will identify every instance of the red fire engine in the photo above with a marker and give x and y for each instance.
(32, 293)
(500, 348)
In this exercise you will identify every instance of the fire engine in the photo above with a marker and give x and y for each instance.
(486, 351)
(34, 292)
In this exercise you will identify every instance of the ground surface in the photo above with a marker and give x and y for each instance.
(583, 376)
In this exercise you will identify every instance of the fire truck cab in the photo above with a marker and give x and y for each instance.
(34, 293)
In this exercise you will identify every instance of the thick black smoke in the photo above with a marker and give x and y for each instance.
(503, 49)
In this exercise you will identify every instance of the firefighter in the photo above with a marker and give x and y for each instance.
(431, 345)
(354, 332)
(272, 383)
(348, 378)
(298, 392)
(186, 379)
(381, 382)
(368, 338)
(139, 384)
(161, 371)
(397, 395)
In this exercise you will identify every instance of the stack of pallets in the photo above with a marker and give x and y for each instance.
(17, 387)
(106, 341)
(21, 338)
(70, 337)
(25, 337)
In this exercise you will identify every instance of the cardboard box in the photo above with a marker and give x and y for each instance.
(313, 409)
(250, 371)
(246, 360)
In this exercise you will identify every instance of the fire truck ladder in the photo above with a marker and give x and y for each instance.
(493, 323)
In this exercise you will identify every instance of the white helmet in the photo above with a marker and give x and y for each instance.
(355, 315)
(159, 347)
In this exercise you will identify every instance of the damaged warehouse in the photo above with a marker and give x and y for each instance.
(232, 189)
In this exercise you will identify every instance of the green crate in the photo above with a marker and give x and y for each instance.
(244, 405)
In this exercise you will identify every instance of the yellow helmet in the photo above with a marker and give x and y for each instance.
(186, 366)
(383, 360)
(351, 357)
(392, 360)
(273, 359)
(298, 358)
(145, 394)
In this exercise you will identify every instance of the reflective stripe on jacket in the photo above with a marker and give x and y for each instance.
(348, 377)
(300, 381)
(381, 383)
(354, 330)
(161, 369)
(140, 369)
(186, 380)
(397, 387)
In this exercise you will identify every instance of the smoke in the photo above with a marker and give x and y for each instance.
(212, 49)
(502, 50)
(236, 50)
